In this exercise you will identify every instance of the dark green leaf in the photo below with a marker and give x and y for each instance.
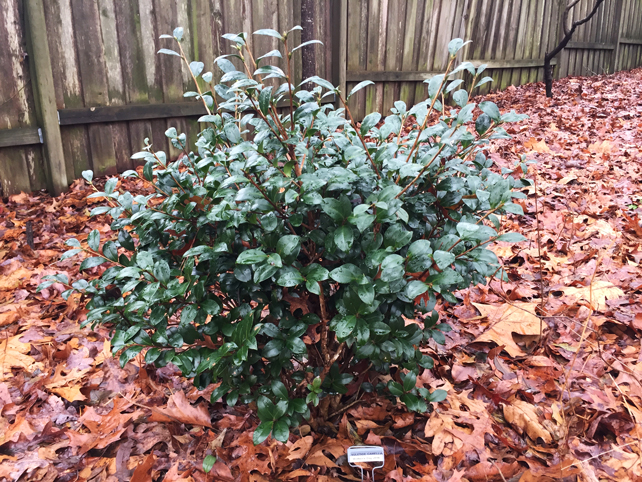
(369, 122)
(359, 86)
(482, 124)
(443, 259)
(344, 326)
(161, 271)
(262, 432)
(344, 238)
(409, 381)
(168, 52)
(415, 288)
(337, 209)
(91, 263)
(278, 388)
(309, 42)
(413, 403)
(208, 463)
(232, 133)
(269, 32)
(281, 431)
(315, 272)
(128, 354)
(251, 256)
(395, 388)
(491, 110)
(346, 274)
(438, 396)
(152, 355)
(288, 245)
(93, 240)
(290, 277)
(264, 100)
(125, 240)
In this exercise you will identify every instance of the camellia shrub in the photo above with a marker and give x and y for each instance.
(287, 255)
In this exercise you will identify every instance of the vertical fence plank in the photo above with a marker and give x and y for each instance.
(216, 25)
(115, 85)
(14, 173)
(520, 45)
(393, 51)
(42, 83)
(410, 60)
(354, 50)
(446, 23)
(372, 55)
(536, 39)
(66, 75)
(35, 156)
(153, 70)
(172, 68)
(91, 60)
(426, 33)
(511, 41)
(543, 40)
(202, 49)
(497, 50)
(343, 46)
(134, 71)
(492, 43)
(616, 34)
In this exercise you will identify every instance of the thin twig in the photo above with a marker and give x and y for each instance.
(363, 142)
(541, 263)
(421, 172)
(423, 126)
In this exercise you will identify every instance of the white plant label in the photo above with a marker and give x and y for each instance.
(367, 453)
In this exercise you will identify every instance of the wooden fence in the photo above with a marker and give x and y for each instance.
(82, 85)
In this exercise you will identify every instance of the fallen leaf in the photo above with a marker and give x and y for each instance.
(499, 470)
(567, 179)
(19, 427)
(601, 147)
(71, 394)
(364, 425)
(596, 294)
(320, 459)
(507, 319)
(221, 472)
(299, 473)
(537, 146)
(300, 448)
(440, 427)
(143, 472)
(172, 475)
(403, 420)
(179, 410)
(13, 354)
(21, 198)
(15, 279)
(523, 416)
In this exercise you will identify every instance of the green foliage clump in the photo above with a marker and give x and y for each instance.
(282, 256)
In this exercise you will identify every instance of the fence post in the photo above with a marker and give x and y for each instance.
(619, 6)
(45, 100)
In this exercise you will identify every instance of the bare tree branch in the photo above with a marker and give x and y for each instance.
(568, 34)
(565, 16)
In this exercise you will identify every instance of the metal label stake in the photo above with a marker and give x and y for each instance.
(366, 454)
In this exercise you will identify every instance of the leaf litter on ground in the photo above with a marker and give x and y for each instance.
(542, 372)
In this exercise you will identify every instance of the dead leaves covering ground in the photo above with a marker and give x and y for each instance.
(543, 372)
